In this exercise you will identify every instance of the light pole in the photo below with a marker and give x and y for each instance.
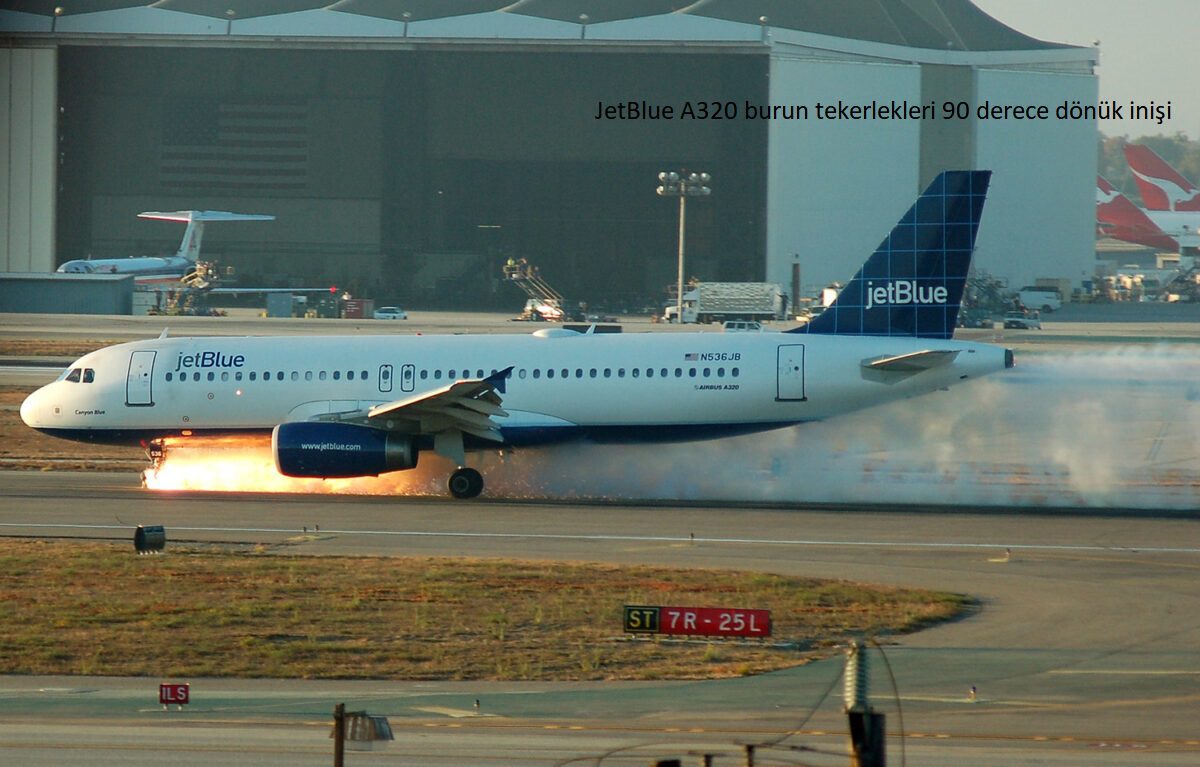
(682, 185)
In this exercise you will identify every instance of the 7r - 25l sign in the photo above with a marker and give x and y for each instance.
(697, 621)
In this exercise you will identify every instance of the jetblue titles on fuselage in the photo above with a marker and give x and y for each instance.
(209, 359)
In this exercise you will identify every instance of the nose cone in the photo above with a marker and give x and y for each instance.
(32, 409)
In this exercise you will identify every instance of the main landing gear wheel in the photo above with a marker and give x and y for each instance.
(465, 483)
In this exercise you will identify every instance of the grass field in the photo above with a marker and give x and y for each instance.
(98, 608)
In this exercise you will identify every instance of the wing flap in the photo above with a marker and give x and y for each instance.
(466, 406)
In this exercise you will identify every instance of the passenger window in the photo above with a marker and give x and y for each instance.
(295, 376)
(363, 375)
(579, 372)
(608, 372)
(237, 376)
(424, 374)
(73, 376)
(279, 376)
(307, 375)
(479, 373)
(450, 374)
(734, 372)
(649, 372)
(620, 372)
(707, 372)
(212, 376)
(253, 376)
(592, 373)
(521, 373)
(663, 373)
(566, 373)
(224, 375)
(437, 375)
(720, 372)
(635, 372)
(349, 375)
(196, 375)
(321, 375)
(537, 373)
(169, 376)
(679, 372)
(550, 373)
(692, 372)
(89, 375)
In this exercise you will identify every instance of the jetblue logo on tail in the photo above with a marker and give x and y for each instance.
(913, 283)
(904, 292)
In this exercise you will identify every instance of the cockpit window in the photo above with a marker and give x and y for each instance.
(73, 376)
(89, 375)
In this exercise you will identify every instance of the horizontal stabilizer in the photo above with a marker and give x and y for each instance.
(204, 215)
(912, 362)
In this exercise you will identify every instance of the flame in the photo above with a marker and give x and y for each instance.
(245, 464)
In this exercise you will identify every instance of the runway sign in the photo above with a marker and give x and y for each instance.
(697, 621)
(173, 694)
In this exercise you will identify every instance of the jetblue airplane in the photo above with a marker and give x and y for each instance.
(365, 405)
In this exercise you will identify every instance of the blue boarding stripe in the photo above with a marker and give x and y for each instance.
(912, 284)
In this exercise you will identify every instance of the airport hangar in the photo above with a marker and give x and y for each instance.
(407, 148)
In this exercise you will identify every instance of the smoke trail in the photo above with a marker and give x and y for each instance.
(1118, 428)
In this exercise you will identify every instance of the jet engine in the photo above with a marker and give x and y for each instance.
(324, 449)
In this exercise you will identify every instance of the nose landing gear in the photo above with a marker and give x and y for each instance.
(465, 483)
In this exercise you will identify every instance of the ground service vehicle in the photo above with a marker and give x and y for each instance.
(708, 302)
(1022, 321)
(1042, 299)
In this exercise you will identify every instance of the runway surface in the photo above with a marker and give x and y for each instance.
(1086, 647)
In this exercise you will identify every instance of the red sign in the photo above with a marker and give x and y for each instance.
(698, 621)
(173, 694)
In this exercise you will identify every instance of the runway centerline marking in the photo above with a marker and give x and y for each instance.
(613, 537)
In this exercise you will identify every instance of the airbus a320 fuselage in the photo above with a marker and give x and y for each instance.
(364, 405)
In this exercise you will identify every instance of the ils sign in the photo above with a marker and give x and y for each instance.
(173, 694)
(697, 621)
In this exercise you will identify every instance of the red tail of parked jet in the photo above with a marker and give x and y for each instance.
(1119, 218)
(1162, 187)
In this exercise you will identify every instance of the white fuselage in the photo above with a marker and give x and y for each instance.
(636, 385)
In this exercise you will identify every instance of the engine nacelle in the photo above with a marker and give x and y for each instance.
(324, 449)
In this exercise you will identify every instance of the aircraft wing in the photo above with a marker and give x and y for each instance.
(912, 362)
(466, 406)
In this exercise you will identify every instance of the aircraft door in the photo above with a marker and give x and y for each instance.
(408, 378)
(385, 378)
(138, 391)
(790, 374)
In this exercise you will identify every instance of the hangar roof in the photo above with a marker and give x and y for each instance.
(930, 24)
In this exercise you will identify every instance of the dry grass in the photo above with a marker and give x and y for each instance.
(95, 608)
(50, 347)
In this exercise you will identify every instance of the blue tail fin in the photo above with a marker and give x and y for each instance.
(913, 283)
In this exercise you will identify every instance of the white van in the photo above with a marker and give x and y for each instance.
(1041, 299)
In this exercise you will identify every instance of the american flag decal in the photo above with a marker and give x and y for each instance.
(235, 146)
(691, 357)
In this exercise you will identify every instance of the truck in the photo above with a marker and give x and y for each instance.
(720, 301)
